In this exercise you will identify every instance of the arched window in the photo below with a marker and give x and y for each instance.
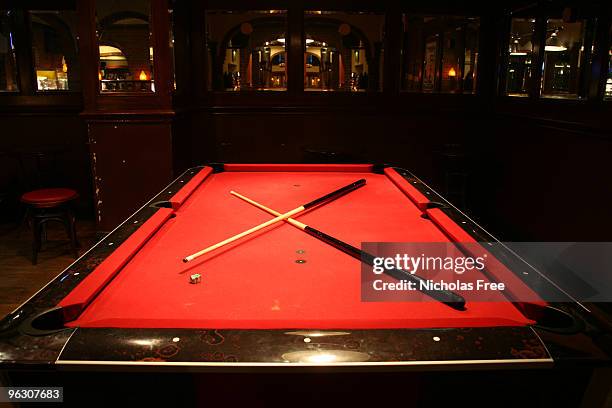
(8, 65)
(247, 50)
(125, 45)
(54, 50)
(344, 51)
(440, 53)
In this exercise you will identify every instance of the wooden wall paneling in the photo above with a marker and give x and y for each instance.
(487, 58)
(184, 31)
(126, 165)
(162, 57)
(202, 142)
(182, 152)
(406, 129)
(132, 141)
(295, 51)
(23, 50)
(539, 45)
(410, 140)
(601, 58)
(88, 52)
(501, 44)
(199, 51)
(392, 51)
(533, 178)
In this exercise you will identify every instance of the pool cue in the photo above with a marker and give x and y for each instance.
(447, 297)
(327, 197)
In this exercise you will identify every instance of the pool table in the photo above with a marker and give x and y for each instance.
(279, 297)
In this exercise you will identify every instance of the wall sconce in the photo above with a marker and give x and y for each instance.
(452, 73)
(142, 76)
(514, 47)
(553, 44)
(64, 65)
(246, 28)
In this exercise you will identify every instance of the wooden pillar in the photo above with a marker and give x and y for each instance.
(392, 46)
(295, 51)
(130, 134)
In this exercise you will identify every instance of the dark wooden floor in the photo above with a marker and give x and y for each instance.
(19, 279)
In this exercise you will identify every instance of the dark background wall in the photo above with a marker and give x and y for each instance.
(62, 138)
(543, 178)
(534, 169)
(530, 177)
(526, 180)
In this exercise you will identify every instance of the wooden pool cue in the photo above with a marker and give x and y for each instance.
(327, 197)
(445, 296)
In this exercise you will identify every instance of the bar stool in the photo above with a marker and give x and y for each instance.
(50, 204)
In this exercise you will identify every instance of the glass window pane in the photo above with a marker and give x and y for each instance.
(564, 59)
(171, 24)
(450, 61)
(125, 46)
(440, 54)
(54, 50)
(608, 90)
(520, 55)
(247, 50)
(470, 57)
(344, 51)
(431, 67)
(8, 66)
(414, 53)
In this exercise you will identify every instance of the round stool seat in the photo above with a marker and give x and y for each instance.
(49, 197)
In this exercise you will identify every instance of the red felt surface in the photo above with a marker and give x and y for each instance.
(299, 167)
(180, 196)
(85, 292)
(411, 192)
(256, 283)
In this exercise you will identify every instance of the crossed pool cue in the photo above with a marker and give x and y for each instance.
(325, 198)
(449, 298)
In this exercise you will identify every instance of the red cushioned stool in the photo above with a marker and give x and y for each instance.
(50, 204)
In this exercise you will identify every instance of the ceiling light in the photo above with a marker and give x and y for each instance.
(555, 48)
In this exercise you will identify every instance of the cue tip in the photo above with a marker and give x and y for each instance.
(460, 306)
(185, 260)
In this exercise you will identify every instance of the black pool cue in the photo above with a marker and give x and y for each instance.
(447, 297)
(327, 197)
